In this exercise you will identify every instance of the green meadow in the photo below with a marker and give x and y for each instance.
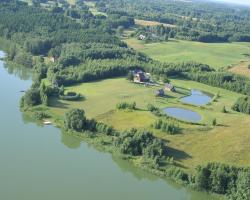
(228, 142)
(216, 55)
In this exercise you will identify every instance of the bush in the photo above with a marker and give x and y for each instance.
(167, 127)
(41, 115)
(224, 110)
(242, 105)
(125, 105)
(214, 122)
(156, 111)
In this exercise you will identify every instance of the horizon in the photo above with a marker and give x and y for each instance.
(240, 2)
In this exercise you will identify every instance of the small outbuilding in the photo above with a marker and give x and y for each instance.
(160, 93)
(142, 37)
(141, 77)
(169, 87)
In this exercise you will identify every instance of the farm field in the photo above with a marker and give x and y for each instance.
(216, 55)
(226, 143)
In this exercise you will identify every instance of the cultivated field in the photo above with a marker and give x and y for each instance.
(217, 55)
(227, 143)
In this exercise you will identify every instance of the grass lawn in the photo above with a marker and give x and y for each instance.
(216, 55)
(227, 143)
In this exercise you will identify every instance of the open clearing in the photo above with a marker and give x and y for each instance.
(216, 55)
(227, 143)
(241, 69)
(151, 23)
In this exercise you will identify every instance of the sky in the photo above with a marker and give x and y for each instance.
(242, 2)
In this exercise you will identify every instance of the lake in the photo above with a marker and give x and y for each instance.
(197, 98)
(41, 162)
(182, 114)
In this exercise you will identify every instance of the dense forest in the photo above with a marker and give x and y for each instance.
(199, 21)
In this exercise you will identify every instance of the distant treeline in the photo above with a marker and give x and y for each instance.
(199, 21)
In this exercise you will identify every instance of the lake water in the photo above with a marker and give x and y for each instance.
(42, 163)
(197, 97)
(183, 114)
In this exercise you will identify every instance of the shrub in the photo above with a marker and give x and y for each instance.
(167, 127)
(125, 105)
(242, 105)
(156, 111)
(224, 110)
(214, 122)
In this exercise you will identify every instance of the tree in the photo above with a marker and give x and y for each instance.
(224, 110)
(43, 94)
(165, 79)
(130, 76)
(120, 30)
(75, 120)
(214, 122)
(32, 97)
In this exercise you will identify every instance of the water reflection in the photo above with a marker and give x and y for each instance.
(70, 141)
(19, 71)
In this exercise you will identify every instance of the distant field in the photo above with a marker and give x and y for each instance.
(217, 55)
(151, 23)
(226, 143)
(93, 9)
(71, 2)
(241, 69)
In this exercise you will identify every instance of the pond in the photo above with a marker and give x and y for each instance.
(182, 114)
(41, 162)
(197, 98)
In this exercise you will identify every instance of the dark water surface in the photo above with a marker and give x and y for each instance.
(41, 163)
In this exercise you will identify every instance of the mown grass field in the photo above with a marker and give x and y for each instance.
(216, 55)
(227, 143)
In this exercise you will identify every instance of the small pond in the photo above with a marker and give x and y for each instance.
(197, 97)
(183, 114)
